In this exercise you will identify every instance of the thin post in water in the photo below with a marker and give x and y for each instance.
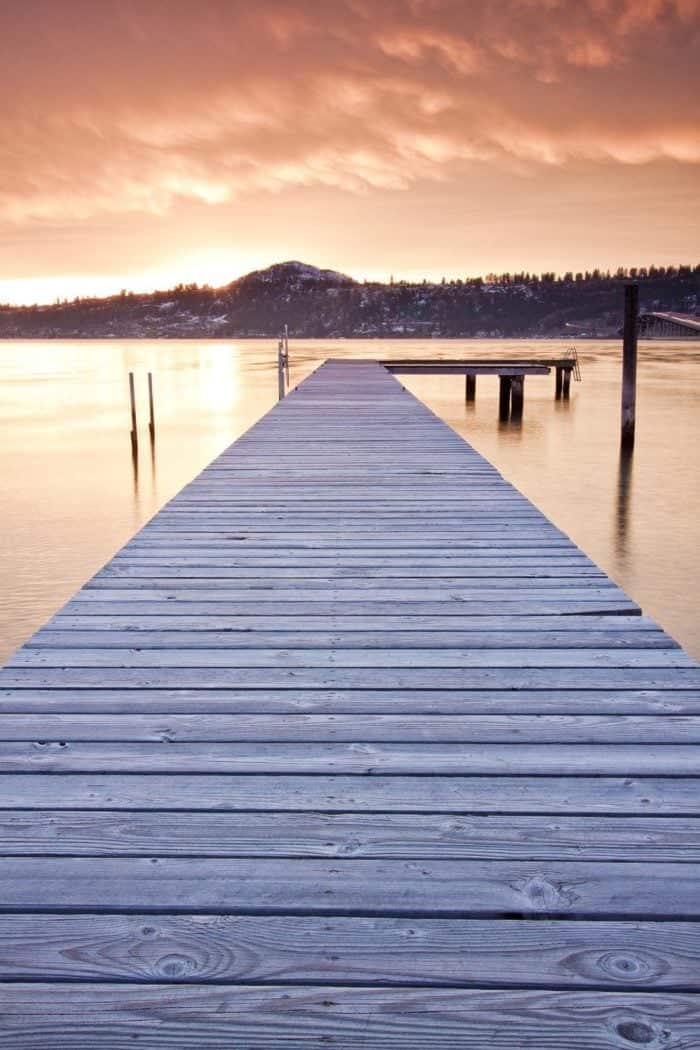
(629, 366)
(280, 370)
(470, 388)
(152, 418)
(132, 400)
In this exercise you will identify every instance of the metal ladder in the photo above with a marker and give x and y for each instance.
(572, 353)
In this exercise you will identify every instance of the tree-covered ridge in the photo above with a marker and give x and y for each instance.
(318, 303)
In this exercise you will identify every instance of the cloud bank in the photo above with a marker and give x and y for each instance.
(132, 106)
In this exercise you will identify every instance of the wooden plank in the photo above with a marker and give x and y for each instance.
(430, 729)
(393, 887)
(444, 659)
(261, 603)
(362, 539)
(90, 632)
(620, 795)
(168, 949)
(253, 559)
(607, 627)
(422, 759)
(505, 571)
(231, 700)
(105, 833)
(161, 1016)
(672, 678)
(104, 588)
(370, 887)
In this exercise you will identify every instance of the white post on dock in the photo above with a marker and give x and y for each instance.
(629, 366)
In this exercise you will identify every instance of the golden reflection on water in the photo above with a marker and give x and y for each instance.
(73, 492)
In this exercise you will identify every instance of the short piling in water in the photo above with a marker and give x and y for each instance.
(558, 383)
(470, 388)
(629, 366)
(566, 384)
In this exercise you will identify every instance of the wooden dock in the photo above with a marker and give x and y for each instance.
(350, 747)
(511, 374)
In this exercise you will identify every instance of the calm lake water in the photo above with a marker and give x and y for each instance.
(71, 494)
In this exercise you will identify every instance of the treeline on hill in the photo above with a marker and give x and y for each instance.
(316, 303)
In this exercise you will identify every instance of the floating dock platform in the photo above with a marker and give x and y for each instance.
(350, 747)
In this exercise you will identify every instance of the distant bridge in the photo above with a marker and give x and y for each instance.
(669, 326)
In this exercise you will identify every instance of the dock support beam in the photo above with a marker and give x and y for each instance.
(504, 398)
(517, 391)
(558, 383)
(470, 388)
(566, 384)
(629, 366)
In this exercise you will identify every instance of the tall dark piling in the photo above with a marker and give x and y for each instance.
(629, 366)
(517, 388)
(504, 385)
(151, 413)
(132, 404)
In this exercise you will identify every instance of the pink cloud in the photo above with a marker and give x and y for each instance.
(124, 106)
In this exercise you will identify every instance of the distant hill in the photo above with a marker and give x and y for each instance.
(317, 303)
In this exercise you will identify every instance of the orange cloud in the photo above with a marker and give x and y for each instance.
(124, 106)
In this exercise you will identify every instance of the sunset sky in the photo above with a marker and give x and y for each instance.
(146, 142)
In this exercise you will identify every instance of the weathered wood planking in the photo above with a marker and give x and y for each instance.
(352, 730)
(374, 951)
(240, 833)
(279, 886)
(162, 1017)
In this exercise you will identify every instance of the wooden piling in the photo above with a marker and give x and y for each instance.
(517, 389)
(132, 400)
(470, 388)
(566, 384)
(151, 414)
(280, 370)
(629, 366)
(504, 397)
(558, 383)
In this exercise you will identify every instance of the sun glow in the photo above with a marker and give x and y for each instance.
(215, 268)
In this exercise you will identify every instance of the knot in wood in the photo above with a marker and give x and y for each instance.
(176, 966)
(636, 1032)
(628, 966)
(545, 895)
